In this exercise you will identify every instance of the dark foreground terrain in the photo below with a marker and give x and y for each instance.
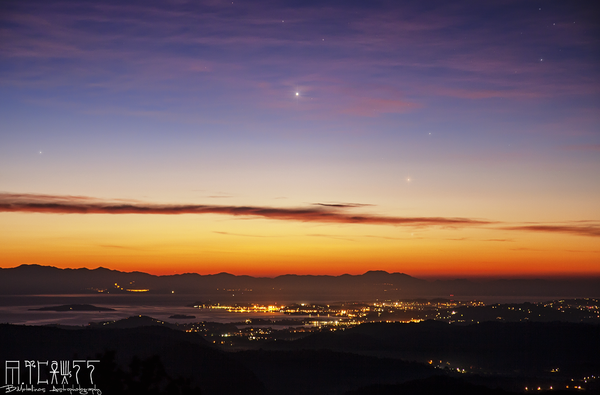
(424, 358)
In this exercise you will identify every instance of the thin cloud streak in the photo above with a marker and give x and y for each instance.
(238, 234)
(321, 213)
(330, 236)
(583, 147)
(342, 205)
(157, 33)
(122, 247)
(579, 230)
(31, 203)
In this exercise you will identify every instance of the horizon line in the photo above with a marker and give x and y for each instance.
(424, 277)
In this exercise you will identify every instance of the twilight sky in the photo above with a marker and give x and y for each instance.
(434, 138)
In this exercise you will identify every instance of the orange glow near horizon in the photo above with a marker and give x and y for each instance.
(263, 247)
(165, 245)
(435, 141)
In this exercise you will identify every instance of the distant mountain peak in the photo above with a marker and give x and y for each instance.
(370, 272)
(383, 273)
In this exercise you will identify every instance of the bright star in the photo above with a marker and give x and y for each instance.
(297, 94)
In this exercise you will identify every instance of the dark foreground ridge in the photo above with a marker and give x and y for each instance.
(36, 280)
(383, 358)
(143, 360)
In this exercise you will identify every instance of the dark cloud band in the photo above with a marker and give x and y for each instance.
(322, 213)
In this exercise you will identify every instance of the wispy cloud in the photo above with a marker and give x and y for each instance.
(338, 213)
(336, 237)
(583, 147)
(392, 238)
(469, 239)
(342, 205)
(237, 234)
(525, 249)
(68, 45)
(120, 247)
(33, 203)
(574, 229)
(371, 107)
